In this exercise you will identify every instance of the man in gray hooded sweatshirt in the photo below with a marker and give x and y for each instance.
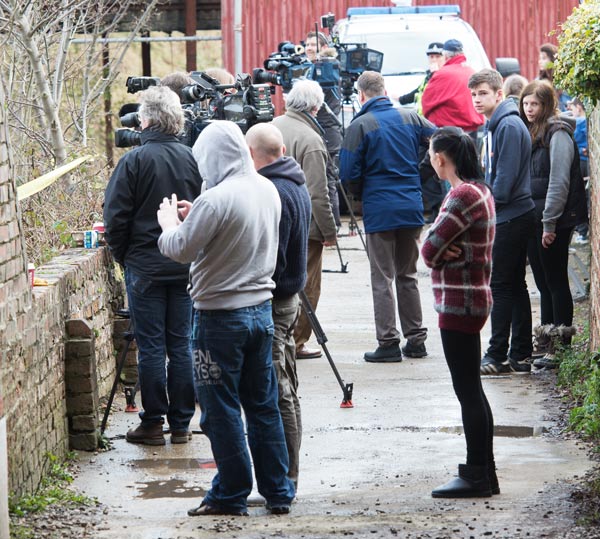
(229, 234)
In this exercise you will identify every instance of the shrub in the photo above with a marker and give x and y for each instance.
(577, 65)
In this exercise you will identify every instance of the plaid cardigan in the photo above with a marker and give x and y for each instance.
(461, 287)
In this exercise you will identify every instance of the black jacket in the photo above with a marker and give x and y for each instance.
(160, 167)
(288, 178)
(575, 209)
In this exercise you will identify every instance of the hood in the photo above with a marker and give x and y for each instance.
(220, 152)
(562, 121)
(284, 168)
(458, 59)
(504, 109)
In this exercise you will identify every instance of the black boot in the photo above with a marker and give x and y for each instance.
(472, 482)
(494, 485)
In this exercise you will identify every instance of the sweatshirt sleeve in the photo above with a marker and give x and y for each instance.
(507, 151)
(184, 243)
(562, 152)
(455, 217)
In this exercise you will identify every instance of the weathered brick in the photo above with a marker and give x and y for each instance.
(79, 348)
(84, 423)
(79, 328)
(83, 441)
(81, 404)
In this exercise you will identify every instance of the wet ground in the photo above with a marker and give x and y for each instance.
(366, 471)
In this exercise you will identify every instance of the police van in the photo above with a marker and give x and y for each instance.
(402, 34)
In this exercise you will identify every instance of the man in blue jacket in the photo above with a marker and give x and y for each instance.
(379, 164)
(507, 156)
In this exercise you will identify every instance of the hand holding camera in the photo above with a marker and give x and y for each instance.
(167, 213)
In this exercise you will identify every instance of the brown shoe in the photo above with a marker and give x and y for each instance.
(308, 353)
(209, 510)
(149, 434)
(181, 436)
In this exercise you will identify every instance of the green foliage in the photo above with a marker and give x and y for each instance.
(579, 375)
(52, 490)
(577, 66)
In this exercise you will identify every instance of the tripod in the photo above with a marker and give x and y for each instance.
(130, 392)
(322, 339)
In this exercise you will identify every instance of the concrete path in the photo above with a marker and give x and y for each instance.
(366, 471)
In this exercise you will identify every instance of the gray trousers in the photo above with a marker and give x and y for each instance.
(285, 315)
(393, 256)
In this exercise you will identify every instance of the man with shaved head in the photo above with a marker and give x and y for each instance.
(267, 150)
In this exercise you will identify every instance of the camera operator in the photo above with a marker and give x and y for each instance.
(177, 81)
(303, 139)
(229, 235)
(328, 115)
(159, 304)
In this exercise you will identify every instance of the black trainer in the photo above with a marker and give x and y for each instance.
(522, 366)
(385, 354)
(549, 361)
(491, 366)
(414, 350)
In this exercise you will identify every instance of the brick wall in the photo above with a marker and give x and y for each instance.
(594, 150)
(33, 392)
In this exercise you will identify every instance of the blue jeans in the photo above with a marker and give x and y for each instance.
(161, 313)
(511, 311)
(233, 368)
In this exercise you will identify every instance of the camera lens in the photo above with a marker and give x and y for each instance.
(125, 138)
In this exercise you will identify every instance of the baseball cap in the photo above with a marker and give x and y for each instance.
(453, 45)
(434, 48)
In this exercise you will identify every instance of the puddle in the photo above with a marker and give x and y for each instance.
(175, 464)
(173, 488)
(503, 431)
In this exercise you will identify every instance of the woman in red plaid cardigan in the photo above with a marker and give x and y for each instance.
(458, 249)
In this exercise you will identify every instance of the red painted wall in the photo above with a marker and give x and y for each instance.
(506, 27)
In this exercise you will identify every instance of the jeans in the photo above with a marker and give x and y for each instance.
(233, 369)
(285, 314)
(511, 310)
(550, 269)
(161, 313)
(463, 355)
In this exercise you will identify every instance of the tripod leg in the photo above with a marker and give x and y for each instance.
(322, 339)
(128, 338)
(353, 222)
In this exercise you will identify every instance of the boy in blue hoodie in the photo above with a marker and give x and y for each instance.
(506, 157)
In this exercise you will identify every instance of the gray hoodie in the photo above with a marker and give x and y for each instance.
(230, 235)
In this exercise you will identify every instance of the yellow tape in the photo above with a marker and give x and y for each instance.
(35, 186)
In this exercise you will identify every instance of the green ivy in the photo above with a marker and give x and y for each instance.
(577, 65)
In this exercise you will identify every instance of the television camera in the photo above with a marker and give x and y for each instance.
(244, 103)
(354, 58)
(284, 67)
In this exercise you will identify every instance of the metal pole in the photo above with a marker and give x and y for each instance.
(237, 28)
(190, 30)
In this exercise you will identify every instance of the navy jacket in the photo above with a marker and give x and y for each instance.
(508, 174)
(145, 175)
(379, 163)
(290, 271)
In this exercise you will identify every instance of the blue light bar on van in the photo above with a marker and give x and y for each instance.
(408, 10)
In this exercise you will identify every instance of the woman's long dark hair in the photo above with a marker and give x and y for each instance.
(546, 95)
(459, 147)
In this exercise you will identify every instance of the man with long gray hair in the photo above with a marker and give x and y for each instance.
(303, 139)
(159, 305)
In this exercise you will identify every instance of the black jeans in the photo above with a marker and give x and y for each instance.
(463, 355)
(512, 308)
(550, 271)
